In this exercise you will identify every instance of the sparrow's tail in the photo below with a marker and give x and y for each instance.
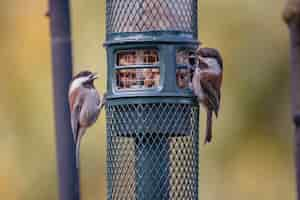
(208, 135)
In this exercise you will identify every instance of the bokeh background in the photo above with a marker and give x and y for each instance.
(252, 153)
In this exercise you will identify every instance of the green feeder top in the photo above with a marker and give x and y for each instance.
(159, 20)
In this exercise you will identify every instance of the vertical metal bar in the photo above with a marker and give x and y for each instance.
(152, 177)
(168, 70)
(195, 18)
(295, 97)
(196, 150)
(68, 175)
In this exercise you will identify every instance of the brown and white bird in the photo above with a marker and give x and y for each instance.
(206, 83)
(85, 105)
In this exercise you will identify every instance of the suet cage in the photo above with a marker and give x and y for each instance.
(152, 115)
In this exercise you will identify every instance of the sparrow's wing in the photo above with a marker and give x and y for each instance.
(212, 96)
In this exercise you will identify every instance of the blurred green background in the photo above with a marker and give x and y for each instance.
(252, 153)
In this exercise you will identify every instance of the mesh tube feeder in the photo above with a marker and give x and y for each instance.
(152, 115)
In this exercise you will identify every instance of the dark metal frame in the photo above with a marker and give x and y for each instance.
(116, 67)
(68, 176)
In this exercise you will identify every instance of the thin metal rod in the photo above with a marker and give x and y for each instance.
(59, 13)
(295, 85)
(291, 15)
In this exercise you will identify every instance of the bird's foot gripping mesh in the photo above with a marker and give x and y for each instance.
(149, 15)
(152, 151)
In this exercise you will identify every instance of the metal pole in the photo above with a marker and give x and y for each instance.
(295, 86)
(68, 175)
(291, 15)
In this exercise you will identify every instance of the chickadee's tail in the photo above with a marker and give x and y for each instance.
(77, 153)
(80, 134)
(208, 135)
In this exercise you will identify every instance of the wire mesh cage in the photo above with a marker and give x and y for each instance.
(152, 151)
(151, 114)
(149, 15)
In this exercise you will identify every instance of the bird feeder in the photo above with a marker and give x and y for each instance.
(152, 116)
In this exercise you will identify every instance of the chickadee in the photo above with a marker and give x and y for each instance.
(85, 105)
(206, 83)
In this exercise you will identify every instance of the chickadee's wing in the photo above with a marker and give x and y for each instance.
(102, 101)
(211, 82)
(75, 108)
(212, 96)
(75, 121)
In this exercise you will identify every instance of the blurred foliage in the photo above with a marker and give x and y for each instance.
(251, 156)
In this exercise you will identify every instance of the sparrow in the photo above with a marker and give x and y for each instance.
(206, 83)
(85, 105)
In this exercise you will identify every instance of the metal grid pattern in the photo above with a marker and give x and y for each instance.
(151, 15)
(152, 151)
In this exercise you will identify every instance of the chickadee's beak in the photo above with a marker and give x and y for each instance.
(94, 76)
(202, 60)
(192, 60)
(192, 57)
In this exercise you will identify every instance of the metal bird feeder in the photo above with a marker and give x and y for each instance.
(152, 115)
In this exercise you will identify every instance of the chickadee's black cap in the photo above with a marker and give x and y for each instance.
(211, 53)
(84, 73)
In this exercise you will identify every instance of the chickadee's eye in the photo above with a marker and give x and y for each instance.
(98, 102)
